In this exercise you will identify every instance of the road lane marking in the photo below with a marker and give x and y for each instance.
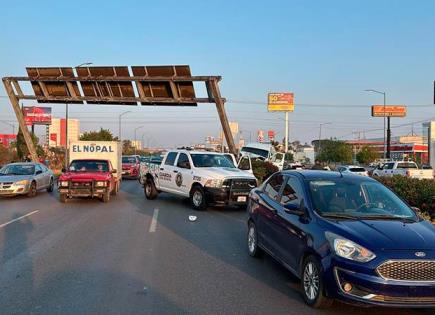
(19, 218)
(153, 224)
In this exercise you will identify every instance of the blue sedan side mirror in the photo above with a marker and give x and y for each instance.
(294, 209)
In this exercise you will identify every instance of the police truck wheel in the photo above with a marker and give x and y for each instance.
(106, 197)
(197, 198)
(150, 189)
(62, 198)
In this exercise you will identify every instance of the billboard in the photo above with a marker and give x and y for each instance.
(34, 115)
(280, 102)
(390, 111)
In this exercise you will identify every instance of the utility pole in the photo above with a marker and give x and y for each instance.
(286, 133)
(66, 137)
(119, 126)
(386, 143)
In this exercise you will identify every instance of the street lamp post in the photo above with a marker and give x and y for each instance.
(119, 125)
(136, 129)
(66, 121)
(320, 135)
(388, 142)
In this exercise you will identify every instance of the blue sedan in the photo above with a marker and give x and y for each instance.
(346, 237)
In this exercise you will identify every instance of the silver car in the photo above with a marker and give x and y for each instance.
(25, 179)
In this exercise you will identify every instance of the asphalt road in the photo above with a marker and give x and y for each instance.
(87, 257)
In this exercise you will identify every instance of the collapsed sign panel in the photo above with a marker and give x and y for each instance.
(164, 89)
(53, 89)
(106, 89)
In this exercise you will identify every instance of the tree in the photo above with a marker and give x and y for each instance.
(335, 151)
(102, 135)
(127, 147)
(289, 157)
(366, 155)
(21, 145)
(7, 155)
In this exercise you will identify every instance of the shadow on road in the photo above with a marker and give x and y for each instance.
(230, 234)
(16, 258)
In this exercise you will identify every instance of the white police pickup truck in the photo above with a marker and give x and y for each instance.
(205, 177)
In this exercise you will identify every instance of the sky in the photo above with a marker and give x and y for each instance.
(325, 52)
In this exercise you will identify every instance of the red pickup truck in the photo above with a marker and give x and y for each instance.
(88, 178)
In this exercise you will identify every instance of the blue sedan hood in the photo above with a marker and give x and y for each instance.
(384, 234)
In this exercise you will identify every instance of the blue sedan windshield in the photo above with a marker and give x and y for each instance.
(359, 200)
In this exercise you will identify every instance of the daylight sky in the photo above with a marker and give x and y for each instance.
(326, 52)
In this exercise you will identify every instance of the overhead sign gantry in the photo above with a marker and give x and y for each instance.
(154, 85)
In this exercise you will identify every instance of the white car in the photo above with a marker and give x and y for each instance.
(353, 169)
(205, 177)
(403, 168)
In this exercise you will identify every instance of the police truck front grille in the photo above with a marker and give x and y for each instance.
(243, 183)
(408, 270)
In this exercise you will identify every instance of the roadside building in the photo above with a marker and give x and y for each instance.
(304, 154)
(57, 132)
(136, 144)
(402, 147)
(7, 139)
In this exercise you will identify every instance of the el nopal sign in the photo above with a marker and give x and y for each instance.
(280, 102)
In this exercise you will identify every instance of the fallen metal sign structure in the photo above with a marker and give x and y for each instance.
(148, 85)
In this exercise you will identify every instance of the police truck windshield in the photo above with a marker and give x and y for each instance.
(211, 160)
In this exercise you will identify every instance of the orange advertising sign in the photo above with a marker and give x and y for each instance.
(280, 102)
(388, 111)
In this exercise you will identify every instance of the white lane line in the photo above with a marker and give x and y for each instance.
(153, 224)
(19, 218)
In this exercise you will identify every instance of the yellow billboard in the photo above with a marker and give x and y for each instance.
(280, 102)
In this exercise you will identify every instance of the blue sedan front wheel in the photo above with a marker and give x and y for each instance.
(312, 284)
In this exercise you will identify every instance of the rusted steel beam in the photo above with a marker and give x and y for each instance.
(117, 99)
(213, 88)
(20, 117)
(17, 88)
(119, 79)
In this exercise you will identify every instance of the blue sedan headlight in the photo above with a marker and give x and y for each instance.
(347, 249)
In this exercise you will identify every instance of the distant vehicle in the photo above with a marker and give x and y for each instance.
(94, 171)
(205, 177)
(353, 169)
(264, 151)
(346, 237)
(144, 159)
(403, 168)
(130, 166)
(25, 178)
